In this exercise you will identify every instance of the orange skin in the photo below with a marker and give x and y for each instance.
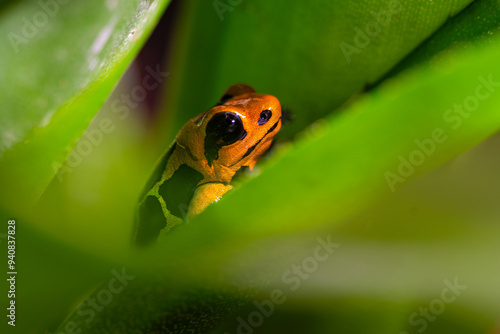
(213, 153)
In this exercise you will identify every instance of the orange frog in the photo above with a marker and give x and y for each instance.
(207, 152)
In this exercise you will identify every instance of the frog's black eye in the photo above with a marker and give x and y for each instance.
(225, 128)
(264, 117)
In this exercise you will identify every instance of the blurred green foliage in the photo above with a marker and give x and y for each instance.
(60, 60)
(363, 107)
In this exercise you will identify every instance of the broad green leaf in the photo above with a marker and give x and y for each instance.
(60, 60)
(479, 24)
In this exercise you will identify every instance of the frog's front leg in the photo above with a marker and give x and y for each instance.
(206, 194)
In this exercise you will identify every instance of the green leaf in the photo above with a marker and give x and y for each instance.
(477, 25)
(60, 60)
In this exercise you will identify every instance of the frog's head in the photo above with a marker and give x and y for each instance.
(240, 127)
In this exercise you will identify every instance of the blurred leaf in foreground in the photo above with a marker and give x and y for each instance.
(60, 60)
